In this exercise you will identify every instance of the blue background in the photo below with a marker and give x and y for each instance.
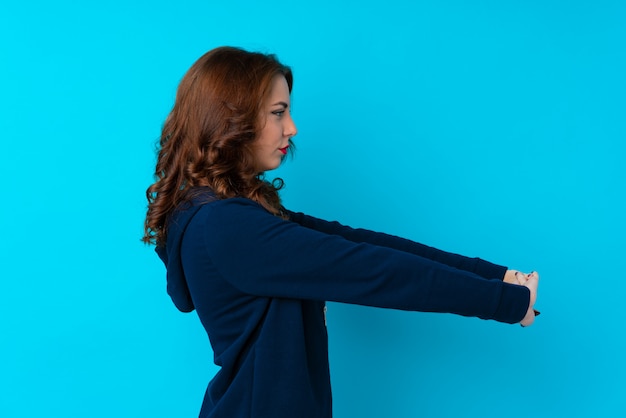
(488, 128)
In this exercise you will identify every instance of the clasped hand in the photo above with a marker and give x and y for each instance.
(531, 281)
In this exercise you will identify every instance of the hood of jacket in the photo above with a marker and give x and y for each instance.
(170, 253)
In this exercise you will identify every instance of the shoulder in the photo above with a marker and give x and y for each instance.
(232, 205)
(233, 212)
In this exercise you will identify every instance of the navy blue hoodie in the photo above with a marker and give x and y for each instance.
(259, 285)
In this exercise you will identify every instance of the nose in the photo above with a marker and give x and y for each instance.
(290, 127)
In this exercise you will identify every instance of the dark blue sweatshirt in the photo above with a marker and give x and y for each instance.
(259, 284)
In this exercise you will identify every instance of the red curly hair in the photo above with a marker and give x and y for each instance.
(207, 138)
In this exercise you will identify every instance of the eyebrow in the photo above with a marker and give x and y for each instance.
(283, 104)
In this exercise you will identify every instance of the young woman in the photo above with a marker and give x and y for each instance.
(258, 274)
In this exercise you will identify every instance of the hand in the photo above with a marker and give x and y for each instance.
(531, 281)
(510, 277)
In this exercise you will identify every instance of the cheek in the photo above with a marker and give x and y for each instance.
(275, 129)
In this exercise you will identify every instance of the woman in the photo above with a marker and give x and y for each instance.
(257, 274)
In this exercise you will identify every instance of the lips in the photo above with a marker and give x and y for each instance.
(284, 150)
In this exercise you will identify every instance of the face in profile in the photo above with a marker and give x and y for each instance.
(278, 126)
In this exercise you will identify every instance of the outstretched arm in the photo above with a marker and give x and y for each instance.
(477, 266)
(263, 255)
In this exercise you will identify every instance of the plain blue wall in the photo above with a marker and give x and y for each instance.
(490, 128)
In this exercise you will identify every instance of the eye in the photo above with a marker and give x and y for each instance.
(279, 113)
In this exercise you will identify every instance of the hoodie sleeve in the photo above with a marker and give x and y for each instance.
(263, 255)
(475, 265)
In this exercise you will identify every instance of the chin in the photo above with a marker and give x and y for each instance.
(268, 168)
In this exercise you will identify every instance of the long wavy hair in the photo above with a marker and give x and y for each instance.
(207, 138)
